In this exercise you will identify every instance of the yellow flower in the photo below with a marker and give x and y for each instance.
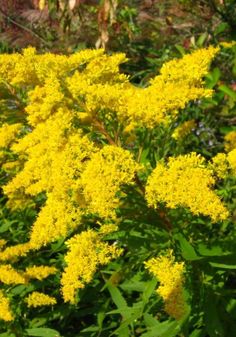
(100, 87)
(232, 160)
(230, 141)
(86, 252)
(228, 44)
(9, 275)
(8, 133)
(44, 101)
(170, 275)
(5, 312)
(220, 165)
(185, 182)
(108, 228)
(39, 272)
(13, 252)
(37, 299)
(56, 158)
(103, 176)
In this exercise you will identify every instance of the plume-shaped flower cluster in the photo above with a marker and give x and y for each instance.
(170, 274)
(86, 252)
(185, 181)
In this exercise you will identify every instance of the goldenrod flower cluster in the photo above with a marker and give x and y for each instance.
(5, 312)
(170, 275)
(180, 81)
(185, 181)
(228, 44)
(183, 129)
(51, 167)
(12, 252)
(103, 176)
(232, 160)
(224, 164)
(86, 252)
(230, 141)
(220, 165)
(39, 272)
(9, 275)
(8, 133)
(37, 299)
(29, 69)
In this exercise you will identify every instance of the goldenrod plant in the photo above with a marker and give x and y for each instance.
(102, 202)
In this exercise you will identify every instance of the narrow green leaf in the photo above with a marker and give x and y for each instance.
(222, 265)
(212, 318)
(116, 296)
(164, 329)
(202, 38)
(197, 333)
(188, 252)
(150, 321)
(150, 287)
(42, 332)
(225, 89)
(180, 49)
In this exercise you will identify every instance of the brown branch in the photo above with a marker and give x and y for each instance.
(99, 125)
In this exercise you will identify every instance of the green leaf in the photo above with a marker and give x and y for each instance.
(180, 49)
(123, 309)
(225, 89)
(91, 328)
(164, 329)
(129, 321)
(212, 318)
(144, 156)
(188, 252)
(222, 265)
(197, 333)
(213, 77)
(202, 38)
(42, 332)
(100, 318)
(4, 227)
(221, 28)
(116, 296)
(150, 287)
(150, 321)
(209, 251)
